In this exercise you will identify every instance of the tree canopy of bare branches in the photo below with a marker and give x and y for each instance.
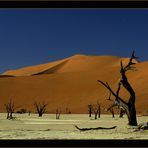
(10, 108)
(129, 106)
(40, 108)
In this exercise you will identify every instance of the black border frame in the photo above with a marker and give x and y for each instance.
(73, 4)
(73, 143)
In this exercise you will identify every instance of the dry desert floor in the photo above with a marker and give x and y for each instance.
(47, 127)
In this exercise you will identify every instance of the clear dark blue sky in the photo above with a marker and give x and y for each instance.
(34, 36)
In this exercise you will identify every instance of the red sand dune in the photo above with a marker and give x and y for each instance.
(72, 83)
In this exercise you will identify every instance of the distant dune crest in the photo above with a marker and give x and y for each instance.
(76, 62)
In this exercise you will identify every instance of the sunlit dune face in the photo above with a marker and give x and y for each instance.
(72, 83)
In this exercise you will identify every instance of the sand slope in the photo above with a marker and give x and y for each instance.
(72, 83)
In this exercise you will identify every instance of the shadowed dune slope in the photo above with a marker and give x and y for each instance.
(72, 83)
(32, 70)
(53, 69)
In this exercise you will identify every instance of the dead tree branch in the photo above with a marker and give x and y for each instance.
(97, 128)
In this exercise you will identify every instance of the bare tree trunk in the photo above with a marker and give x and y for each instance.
(99, 111)
(96, 115)
(132, 116)
(11, 117)
(90, 110)
(58, 113)
(7, 115)
(122, 112)
(40, 114)
(112, 112)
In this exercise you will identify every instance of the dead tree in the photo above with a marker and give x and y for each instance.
(97, 110)
(122, 112)
(58, 113)
(10, 108)
(112, 112)
(40, 108)
(90, 109)
(96, 128)
(111, 109)
(128, 106)
(29, 112)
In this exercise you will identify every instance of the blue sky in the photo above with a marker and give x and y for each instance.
(35, 36)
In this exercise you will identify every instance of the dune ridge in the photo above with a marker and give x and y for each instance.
(53, 69)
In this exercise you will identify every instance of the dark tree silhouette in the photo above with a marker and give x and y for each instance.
(111, 109)
(90, 109)
(40, 108)
(58, 113)
(112, 112)
(129, 106)
(29, 112)
(122, 112)
(97, 110)
(10, 108)
(97, 128)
